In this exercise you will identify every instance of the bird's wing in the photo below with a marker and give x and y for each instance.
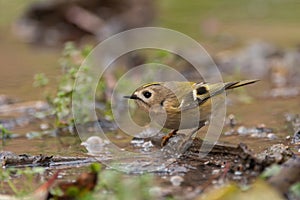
(201, 92)
(195, 97)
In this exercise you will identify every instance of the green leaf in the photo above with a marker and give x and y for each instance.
(270, 171)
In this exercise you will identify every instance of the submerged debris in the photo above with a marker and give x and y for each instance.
(231, 121)
(260, 131)
(21, 114)
(189, 171)
(293, 122)
(277, 153)
(28, 108)
(10, 159)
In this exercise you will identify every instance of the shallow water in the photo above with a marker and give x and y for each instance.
(247, 115)
(260, 110)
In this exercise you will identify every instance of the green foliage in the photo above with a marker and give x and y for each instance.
(111, 184)
(95, 167)
(270, 171)
(72, 191)
(73, 70)
(115, 185)
(295, 190)
(5, 134)
(5, 178)
(28, 173)
(40, 80)
(61, 101)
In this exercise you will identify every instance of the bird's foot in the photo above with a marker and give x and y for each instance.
(166, 138)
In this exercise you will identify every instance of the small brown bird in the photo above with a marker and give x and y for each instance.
(180, 105)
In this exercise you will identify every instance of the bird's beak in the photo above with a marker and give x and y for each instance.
(131, 97)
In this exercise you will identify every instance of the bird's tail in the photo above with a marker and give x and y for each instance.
(218, 88)
(231, 85)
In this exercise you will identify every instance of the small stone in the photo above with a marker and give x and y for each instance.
(147, 144)
(33, 135)
(176, 180)
(289, 117)
(137, 141)
(238, 173)
(231, 132)
(255, 135)
(206, 163)
(215, 171)
(238, 177)
(272, 136)
(263, 135)
(261, 126)
(94, 144)
(242, 130)
(231, 121)
(44, 126)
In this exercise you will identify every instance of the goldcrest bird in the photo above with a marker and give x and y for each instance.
(180, 105)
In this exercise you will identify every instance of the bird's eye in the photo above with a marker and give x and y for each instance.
(147, 94)
(201, 90)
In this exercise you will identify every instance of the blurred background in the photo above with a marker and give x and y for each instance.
(258, 39)
(233, 32)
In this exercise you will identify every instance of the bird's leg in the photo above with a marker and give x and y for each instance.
(166, 138)
(183, 145)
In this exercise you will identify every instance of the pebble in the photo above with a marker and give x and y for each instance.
(242, 130)
(147, 144)
(259, 135)
(257, 132)
(231, 132)
(215, 171)
(176, 180)
(206, 163)
(33, 135)
(137, 141)
(44, 126)
(238, 173)
(272, 136)
(94, 144)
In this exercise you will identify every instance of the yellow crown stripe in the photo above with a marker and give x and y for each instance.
(150, 84)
